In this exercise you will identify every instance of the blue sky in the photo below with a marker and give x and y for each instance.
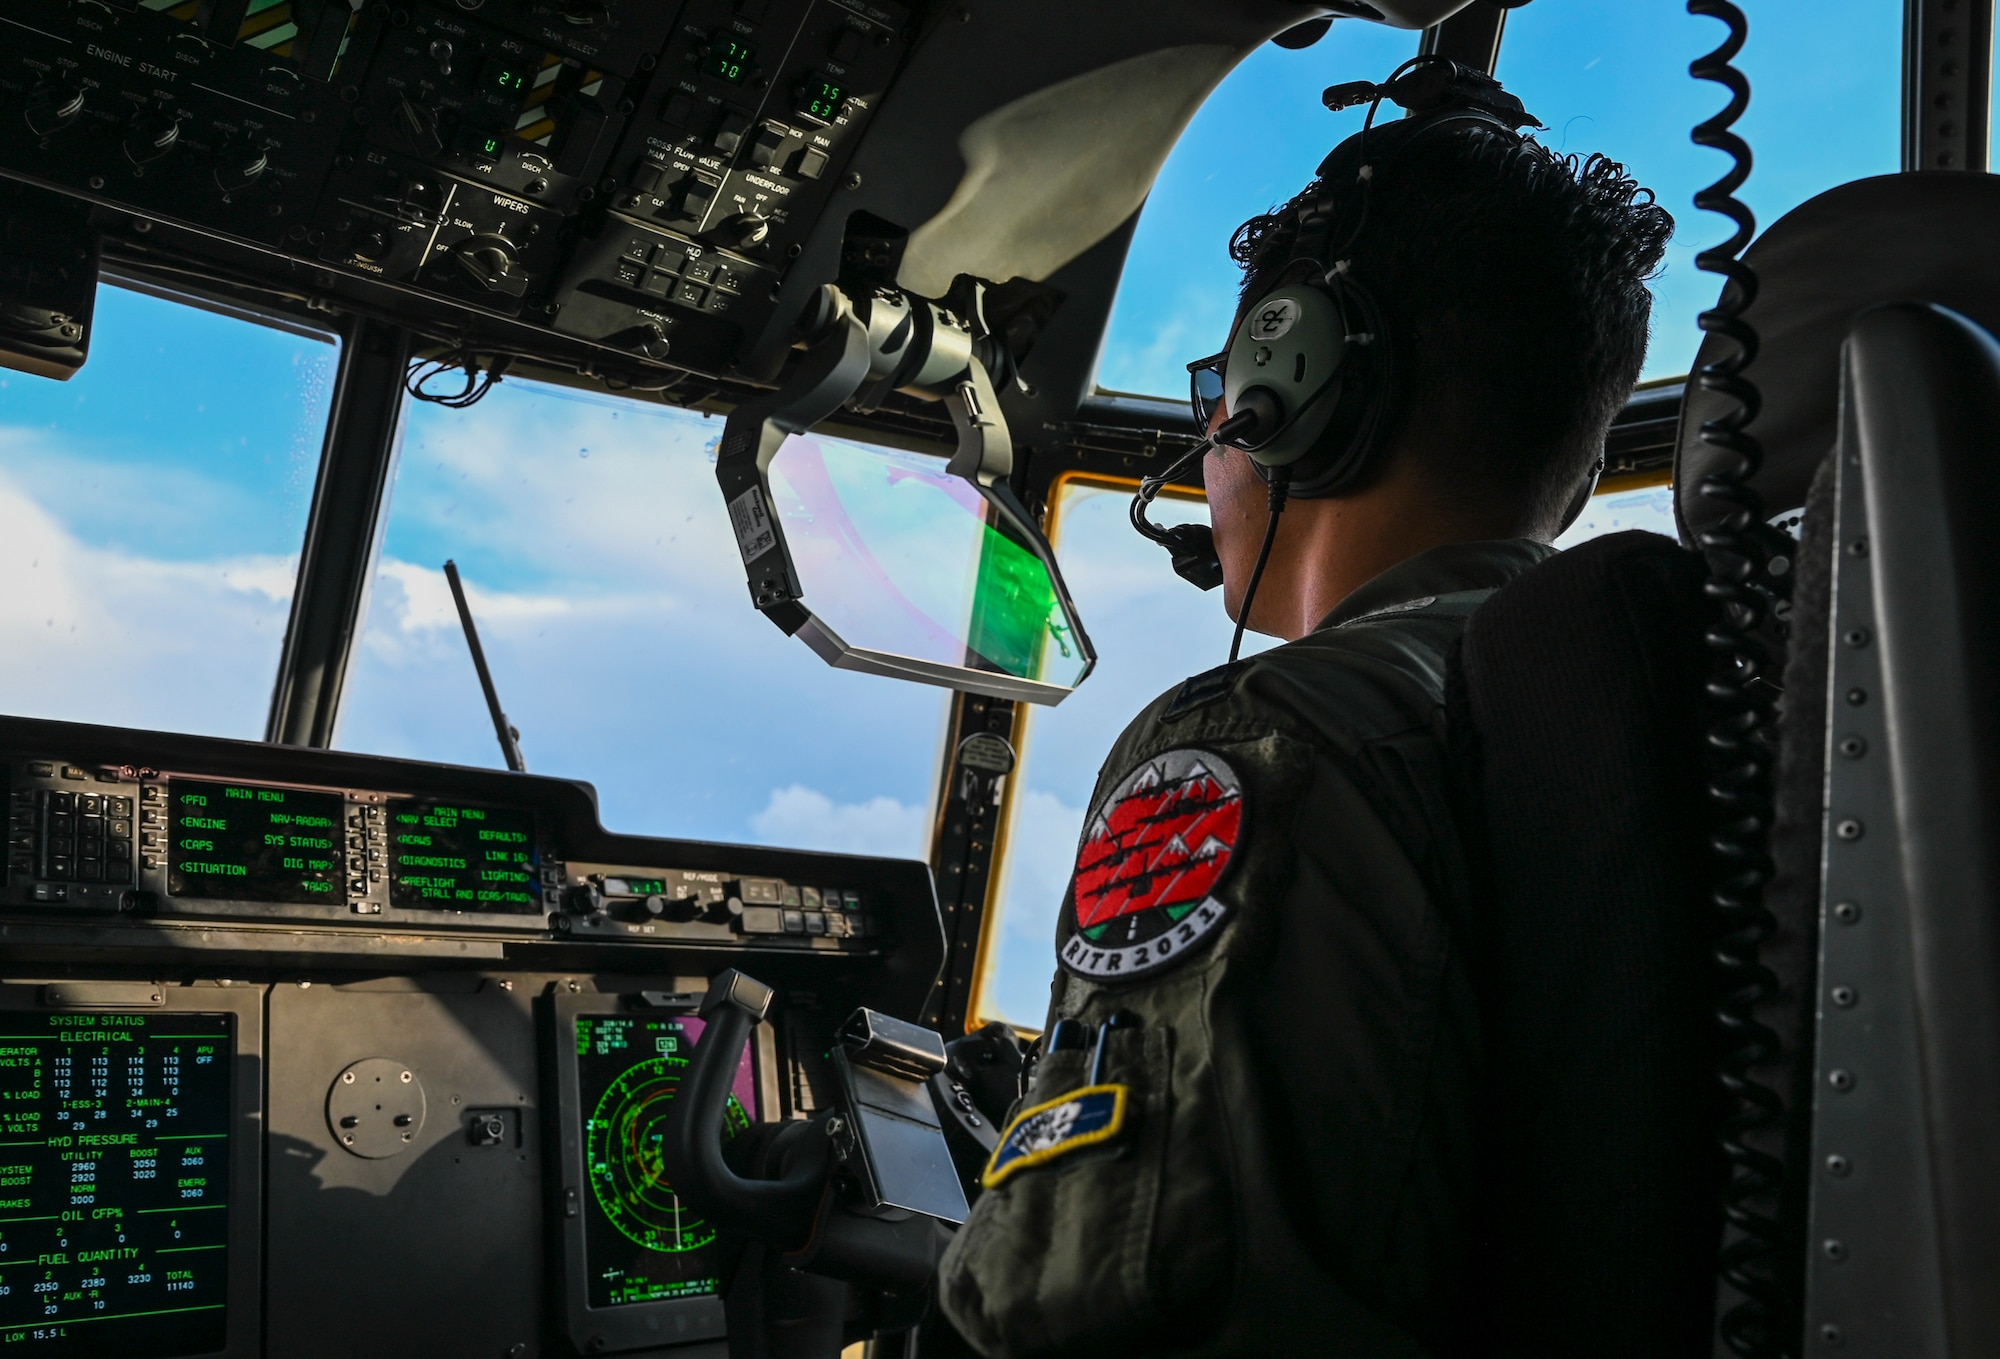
(1604, 75)
(151, 509)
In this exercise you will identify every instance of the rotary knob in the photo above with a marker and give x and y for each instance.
(152, 134)
(52, 106)
(585, 13)
(744, 230)
(241, 164)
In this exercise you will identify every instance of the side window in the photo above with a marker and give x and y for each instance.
(1825, 107)
(1254, 144)
(152, 509)
(1644, 500)
(1152, 630)
(611, 604)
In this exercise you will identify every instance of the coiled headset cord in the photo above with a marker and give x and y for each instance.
(1763, 1324)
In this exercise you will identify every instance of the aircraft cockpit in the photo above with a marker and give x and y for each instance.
(567, 566)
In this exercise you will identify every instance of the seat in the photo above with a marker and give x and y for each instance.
(1579, 733)
(1574, 712)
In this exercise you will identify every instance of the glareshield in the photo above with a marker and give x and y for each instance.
(909, 569)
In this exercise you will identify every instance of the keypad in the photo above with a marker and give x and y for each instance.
(70, 837)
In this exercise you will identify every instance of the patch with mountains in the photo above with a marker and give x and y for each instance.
(1153, 852)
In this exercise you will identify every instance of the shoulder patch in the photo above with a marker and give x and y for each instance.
(1153, 852)
(1082, 1118)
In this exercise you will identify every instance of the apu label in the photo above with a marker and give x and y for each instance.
(752, 522)
(1154, 850)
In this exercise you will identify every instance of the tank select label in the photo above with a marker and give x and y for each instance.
(114, 1183)
(446, 857)
(240, 842)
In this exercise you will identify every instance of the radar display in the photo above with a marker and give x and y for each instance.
(114, 1183)
(641, 1243)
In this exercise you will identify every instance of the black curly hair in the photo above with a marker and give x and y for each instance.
(1513, 282)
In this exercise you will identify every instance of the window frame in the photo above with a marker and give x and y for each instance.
(1019, 733)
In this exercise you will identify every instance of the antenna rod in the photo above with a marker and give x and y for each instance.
(510, 736)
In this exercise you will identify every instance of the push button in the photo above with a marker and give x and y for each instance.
(700, 271)
(847, 45)
(677, 109)
(729, 130)
(699, 195)
(690, 294)
(812, 163)
(769, 147)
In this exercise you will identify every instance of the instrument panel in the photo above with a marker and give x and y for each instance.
(622, 173)
(306, 1053)
(141, 841)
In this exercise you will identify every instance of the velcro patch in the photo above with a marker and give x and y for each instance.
(1155, 849)
(1071, 1122)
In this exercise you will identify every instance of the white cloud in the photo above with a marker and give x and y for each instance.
(422, 599)
(100, 635)
(804, 818)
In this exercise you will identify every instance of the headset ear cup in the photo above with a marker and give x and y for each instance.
(1345, 456)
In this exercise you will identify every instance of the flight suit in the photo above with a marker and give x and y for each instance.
(1277, 1157)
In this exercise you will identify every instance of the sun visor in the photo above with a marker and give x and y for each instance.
(1925, 236)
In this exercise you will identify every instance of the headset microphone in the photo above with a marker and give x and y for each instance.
(1192, 545)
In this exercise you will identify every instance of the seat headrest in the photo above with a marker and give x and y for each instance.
(1927, 236)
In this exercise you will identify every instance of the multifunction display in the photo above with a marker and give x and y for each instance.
(640, 1243)
(114, 1183)
(247, 842)
(449, 857)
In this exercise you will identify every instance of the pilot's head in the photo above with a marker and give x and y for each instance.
(1511, 284)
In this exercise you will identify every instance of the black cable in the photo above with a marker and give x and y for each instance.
(461, 360)
(1763, 1324)
(1281, 481)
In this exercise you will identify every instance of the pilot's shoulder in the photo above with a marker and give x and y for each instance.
(1349, 686)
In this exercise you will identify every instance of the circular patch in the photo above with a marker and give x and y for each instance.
(1274, 319)
(1151, 857)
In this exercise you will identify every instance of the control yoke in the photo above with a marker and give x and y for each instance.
(862, 1192)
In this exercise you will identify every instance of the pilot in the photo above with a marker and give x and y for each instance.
(1251, 1128)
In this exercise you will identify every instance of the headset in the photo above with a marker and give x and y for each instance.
(1310, 368)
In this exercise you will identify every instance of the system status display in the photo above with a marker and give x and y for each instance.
(448, 857)
(114, 1183)
(641, 1243)
(242, 842)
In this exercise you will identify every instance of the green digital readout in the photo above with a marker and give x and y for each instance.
(449, 857)
(500, 78)
(641, 1243)
(821, 98)
(115, 1243)
(242, 842)
(728, 58)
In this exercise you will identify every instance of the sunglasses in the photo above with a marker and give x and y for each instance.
(1205, 388)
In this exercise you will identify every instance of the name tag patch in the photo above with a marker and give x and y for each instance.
(1156, 847)
(1079, 1119)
